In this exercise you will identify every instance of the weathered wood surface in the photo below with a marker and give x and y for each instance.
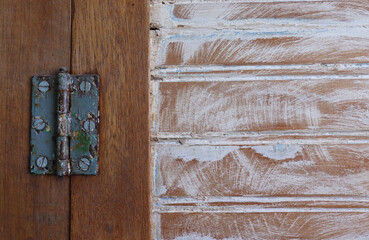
(259, 14)
(111, 38)
(34, 39)
(252, 204)
(241, 47)
(259, 119)
(292, 225)
(257, 72)
(262, 170)
(311, 105)
(260, 33)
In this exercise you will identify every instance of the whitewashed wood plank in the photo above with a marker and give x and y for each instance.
(252, 72)
(262, 170)
(260, 14)
(243, 204)
(238, 47)
(259, 98)
(259, 138)
(280, 105)
(229, 1)
(207, 226)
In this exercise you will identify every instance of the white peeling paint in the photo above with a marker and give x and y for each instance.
(278, 152)
(246, 173)
(261, 138)
(230, 1)
(245, 209)
(205, 69)
(250, 77)
(213, 159)
(248, 15)
(234, 46)
(195, 236)
(236, 200)
(198, 153)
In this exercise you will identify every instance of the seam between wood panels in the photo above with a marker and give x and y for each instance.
(181, 209)
(71, 7)
(167, 2)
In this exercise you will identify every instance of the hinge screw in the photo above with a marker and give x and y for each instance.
(88, 125)
(41, 162)
(63, 70)
(43, 86)
(85, 86)
(84, 164)
(39, 124)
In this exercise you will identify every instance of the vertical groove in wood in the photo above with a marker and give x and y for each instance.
(34, 39)
(110, 38)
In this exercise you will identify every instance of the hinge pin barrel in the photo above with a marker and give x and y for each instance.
(63, 123)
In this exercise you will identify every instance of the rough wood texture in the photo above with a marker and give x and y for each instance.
(260, 119)
(110, 38)
(257, 72)
(260, 33)
(34, 39)
(325, 105)
(294, 225)
(267, 170)
(241, 47)
(257, 14)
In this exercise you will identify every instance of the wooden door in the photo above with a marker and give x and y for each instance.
(260, 119)
(109, 38)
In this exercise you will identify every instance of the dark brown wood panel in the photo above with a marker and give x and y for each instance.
(110, 38)
(34, 39)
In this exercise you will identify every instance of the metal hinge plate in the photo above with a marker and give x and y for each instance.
(65, 123)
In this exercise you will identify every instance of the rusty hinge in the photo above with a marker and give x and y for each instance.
(65, 123)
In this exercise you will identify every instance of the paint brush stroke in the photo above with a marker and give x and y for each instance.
(234, 226)
(278, 105)
(255, 170)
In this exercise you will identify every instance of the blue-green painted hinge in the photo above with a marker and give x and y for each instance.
(65, 124)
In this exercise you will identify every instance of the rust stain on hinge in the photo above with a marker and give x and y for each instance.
(63, 122)
(65, 119)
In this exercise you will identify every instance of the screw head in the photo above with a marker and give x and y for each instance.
(85, 86)
(63, 70)
(39, 124)
(41, 162)
(89, 125)
(84, 164)
(43, 86)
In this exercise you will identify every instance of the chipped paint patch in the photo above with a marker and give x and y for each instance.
(83, 141)
(197, 153)
(279, 151)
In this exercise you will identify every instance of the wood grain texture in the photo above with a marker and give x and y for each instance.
(294, 225)
(311, 105)
(34, 39)
(110, 38)
(241, 47)
(289, 32)
(259, 14)
(262, 170)
(260, 119)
